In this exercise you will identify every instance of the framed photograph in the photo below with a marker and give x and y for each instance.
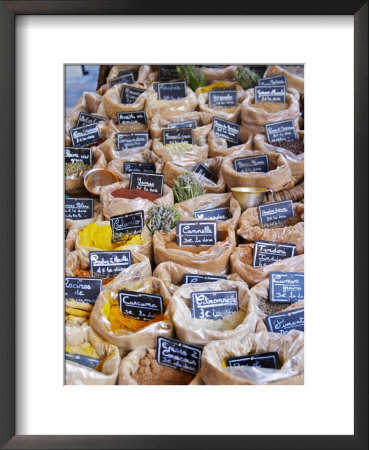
(39, 41)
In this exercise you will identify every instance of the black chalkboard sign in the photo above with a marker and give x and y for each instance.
(281, 131)
(178, 355)
(251, 164)
(131, 140)
(197, 233)
(130, 94)
(186, 124)
(85, 135)
(82, 289)
(269, 360)
(213, 305)
(221, 213)
(286, 287)
(270, 94)
(147, 182)
(174, 135)
(131, 117)
(278, 80)
(129, 167)
(192, 278)
(88, 119)
(75, 154)
(274, 213)
(201, 169)
(171, 91)
(129, 223)
(283, 323)
(79, 208)
(127, 72)
(87, 361)
(168, 73)
(109, 264)
(222, 98)
(127, 78)
(140, 306)
(266, 252)
(227, 130)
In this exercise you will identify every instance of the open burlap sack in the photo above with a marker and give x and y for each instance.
(254, 117)
(290, 349)
(218, 146)
(112, 103)
(293, 231)
(215, 186)
(114, 206)
(279, 175)
(293, 81)
(109, 149)
(89, 103)
(219, 73)
(210, 201)
(214, 259)
(110, 359)
(295, 193)
(98, 217)
(172, 274)
(145, 156)
(114, 71)
(185, 159)
(169, 107)
(232, 113)
(129, 340)
(241, 263)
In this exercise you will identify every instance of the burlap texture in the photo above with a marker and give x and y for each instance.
(219, 73)
(109, 149)
(232, 114)
(295, 193)
(169, 107)
(218, 146)
(145, 156)
(113, 105)
(114, 71)
(293, 81)
(197, 154)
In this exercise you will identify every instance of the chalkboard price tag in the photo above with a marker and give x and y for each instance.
(186, 124)
(275, 213)
(178, 355)
(201, 169)
(139, 305)
(171, 91)
(278, 80)
(129, 167)
(88, 119)
(269, 360)
(286, 287)
(131, 117)
(151, 182)
(281, 131)
(127, 72)
(213, 305)
(266, 252)
(251, 164)
(85, 135)
(87, 361)
(175, 135)
(129, 223)
(227, 130)
(168, 73)
(79, 208)
(131, 140)
(284, 322)
(83, 290)
(270, 94)
(190, 278)
(197, 233)
(130, 94)
(223, 98)
(127, 78)
(109, 264)
(222, 213)
(77, 154)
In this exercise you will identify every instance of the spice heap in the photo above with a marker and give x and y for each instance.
(99, 236)
(179, 147)
(135, 193)
(296, 146)
(271, 307)
(132, 127)
(76, 168)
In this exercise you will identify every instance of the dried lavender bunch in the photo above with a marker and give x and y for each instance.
(186, 186)
(247, 78)
(162, 218)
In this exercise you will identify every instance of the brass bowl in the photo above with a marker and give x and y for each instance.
(95, 179)
(249, 197)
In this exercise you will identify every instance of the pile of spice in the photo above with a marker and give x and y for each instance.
(99, 236)
(271, 107)
(296, 147)
(226, 323)
(272, 307)
(179, 147)
(135, 193)
(85, 273)
(76, 168)
(132, 127)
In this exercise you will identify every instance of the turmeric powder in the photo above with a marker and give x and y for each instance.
(99, 236)
(85, 273)
(216, 84)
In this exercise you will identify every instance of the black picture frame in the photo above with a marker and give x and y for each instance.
(8, 12)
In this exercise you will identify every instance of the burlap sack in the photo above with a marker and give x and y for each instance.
(219, 73)
(254, 118)
(114, 206)
(98, 217)
(186, 159)
(109, 149)
(78, 374)
(278, 177)
(210, 201)
(114, 71)
(233, 113)
(113, 105)
(218, 146)
(241, 263)
(145, 156)
(293, 81)
(293, 233)
(169, 107)
(215, 186)
(296, 193)
(214, 259)
(129, 340)
(89, 103)
(290, 349)
(172, 274)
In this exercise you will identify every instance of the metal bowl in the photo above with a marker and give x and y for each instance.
(95, 179)
(248, 197)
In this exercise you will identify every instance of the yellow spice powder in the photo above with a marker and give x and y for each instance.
(99, 236)
(85, 349)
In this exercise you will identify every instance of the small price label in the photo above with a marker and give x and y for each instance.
(227, 130)
(148, 182)
(85, 135)
(130, 223)
(177, 135)
(178, 355)
(266, 252)
(269, 360)
(270, 94)
(201, 169)
(171, 91)
(193, 278)
(79, 208)
(88, 119)
(283, 323)
(131, 117)
(213, 305)
(222, 213)
(109, 264)
(223, 99)
(83, 290)
(251, 164)
(75, 154)
(168, 73)
(278, 80)
(131, 140)
(87, 361)
(140, 306)
(286, 287)
(196, 233)
(129, 167)
(281, 131)
(130, 94)
(186, 124)
(275, 213)
(126, 78)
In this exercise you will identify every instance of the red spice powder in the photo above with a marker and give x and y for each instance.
(134, 193)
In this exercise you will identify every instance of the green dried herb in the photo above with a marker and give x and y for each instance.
(192, 75)
(186, 186)
(162, 218)
(246, 78)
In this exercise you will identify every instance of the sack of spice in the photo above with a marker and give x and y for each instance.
(293, 80)
(241, 263)
(109, 149)
(218, 146)
(289, 347)
(255, 116)
(89, 103)
(169, 107)
(181, 153)
(118, 199)
(232, 113)
(220, 73)
(217, 85)
(292, 231)
(98, 217)
(278, 177)
(146, 156)
(295, 193)
(202, 331)
(214, 259)
(112, 100)
(124, 330)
